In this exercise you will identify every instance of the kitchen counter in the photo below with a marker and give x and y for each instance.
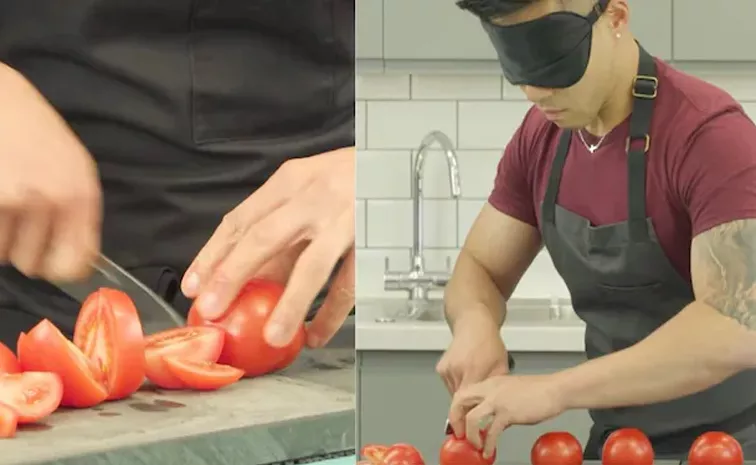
(533, 325)
(307, 411)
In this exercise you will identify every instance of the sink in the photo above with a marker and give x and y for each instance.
(519, 311)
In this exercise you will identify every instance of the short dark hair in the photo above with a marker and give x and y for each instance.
(488, 9)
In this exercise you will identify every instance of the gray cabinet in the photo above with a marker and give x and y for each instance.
(400, 398)
(369, 29)
(651, 23)
(432, 30)
(706, 30)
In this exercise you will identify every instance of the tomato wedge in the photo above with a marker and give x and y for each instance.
(109, 332)
(46, 349)
(200, 343)
(374, 453)
(244, 322)
(31, 395)
(403, 454)
(8, 360)
(200, 375)
(8, 421)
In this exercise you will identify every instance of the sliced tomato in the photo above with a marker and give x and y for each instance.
(200, 343)
(402, 454)
(32, 395)
(46, 349)
(8, 421)
(374, 453)
(109, 332)
(200, 375)
(8, 360)
(244, 323)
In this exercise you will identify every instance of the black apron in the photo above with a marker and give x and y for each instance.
(624, 288)
(188, 106)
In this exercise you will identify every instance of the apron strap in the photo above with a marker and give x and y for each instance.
(645, 89)
(555, 178)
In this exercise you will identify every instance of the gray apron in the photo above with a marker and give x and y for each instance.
(624, 288)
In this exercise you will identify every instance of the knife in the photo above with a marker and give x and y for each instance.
(155, 313)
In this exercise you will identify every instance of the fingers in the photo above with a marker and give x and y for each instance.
(338, 303)
(499, 424)
(7, 235)
(262, 241)
(31, 239)
(462, 402)
(307, 278)
(75, 240)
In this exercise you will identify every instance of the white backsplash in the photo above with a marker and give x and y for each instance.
(479, 114)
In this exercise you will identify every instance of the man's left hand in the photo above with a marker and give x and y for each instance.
(500, 401)
(294, 229)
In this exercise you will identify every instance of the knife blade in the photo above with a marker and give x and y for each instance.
(155, 313)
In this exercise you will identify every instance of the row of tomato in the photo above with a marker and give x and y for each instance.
(110, 358)
(625, 446)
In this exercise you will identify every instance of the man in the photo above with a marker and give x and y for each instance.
(177, 111)
(640, 181)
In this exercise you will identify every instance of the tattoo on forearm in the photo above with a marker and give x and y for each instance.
(723, 267)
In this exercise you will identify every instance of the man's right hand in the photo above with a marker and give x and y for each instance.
(50, 197)
(475, 354)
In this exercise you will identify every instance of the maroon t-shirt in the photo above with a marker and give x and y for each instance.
(701, 167)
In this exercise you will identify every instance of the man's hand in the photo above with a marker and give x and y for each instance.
(50, 199)
(476, 352)
(501, 401)
(297, 226)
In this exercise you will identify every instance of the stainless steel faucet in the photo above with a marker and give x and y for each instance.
(417, 281)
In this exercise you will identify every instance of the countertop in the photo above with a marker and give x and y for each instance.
(532, 325)
(306, 411)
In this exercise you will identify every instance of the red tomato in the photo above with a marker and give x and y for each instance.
(109, 332)
(715, 448)
(202, 376)
(45, 348)
(8, 360)
(627, 446)
(456, 451)
(245, 346)
(8, 421)
(200, 343)
(403, 454)
(556, 448)
(31, 395)
(374, 453)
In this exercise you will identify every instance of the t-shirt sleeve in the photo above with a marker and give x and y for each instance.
(717, 175)
(512, 193)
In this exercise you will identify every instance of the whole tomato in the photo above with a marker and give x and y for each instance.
(715, 448)
(627, 446)
(244, 322)
(557, 448)
(458, 451)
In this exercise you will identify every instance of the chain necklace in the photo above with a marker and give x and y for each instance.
(591, 147)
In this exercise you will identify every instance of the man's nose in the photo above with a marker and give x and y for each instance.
(537, 94)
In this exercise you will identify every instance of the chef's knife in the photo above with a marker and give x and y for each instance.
(155, 313)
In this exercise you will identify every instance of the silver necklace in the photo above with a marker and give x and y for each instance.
(591, 147)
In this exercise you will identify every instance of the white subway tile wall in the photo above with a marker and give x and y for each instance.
(479, 114)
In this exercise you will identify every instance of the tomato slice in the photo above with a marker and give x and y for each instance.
(109, 332)
(200, 343)
(200, 375)
(244, 322)
(715, 448)
(403, 454)
(8, 421)
(31, 395)
(45, 348)
(627, 446)
(557, 448)
(459, 451)
(8, 360)
(374, 453)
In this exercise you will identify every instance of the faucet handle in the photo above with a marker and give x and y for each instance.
(448, 264)
(386, 264)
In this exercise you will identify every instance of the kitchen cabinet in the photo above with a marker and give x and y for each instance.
(432, 30)
(651, 23)
(714, 31)
(402, 399)
(369, 29)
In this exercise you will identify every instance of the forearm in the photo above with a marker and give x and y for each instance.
(472, 293)
(696, 349)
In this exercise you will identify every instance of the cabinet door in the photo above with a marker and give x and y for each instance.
(651, 23)
(706, 30)
(369, 29)
(433, 30)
